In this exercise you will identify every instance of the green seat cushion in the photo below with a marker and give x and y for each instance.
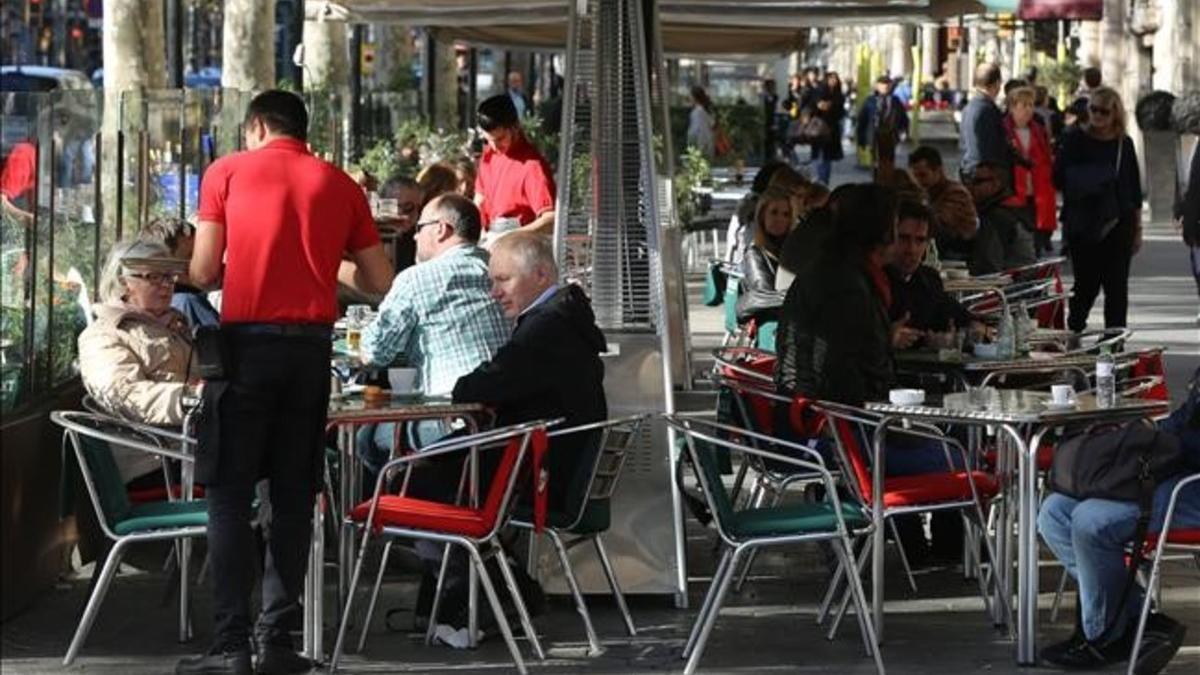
(162, 515)
(795, 519)
(765, 340)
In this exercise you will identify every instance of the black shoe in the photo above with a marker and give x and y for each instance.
(1161, 640)
(277, 660)
(1088, 655)
(1054, 653)
(217, 662)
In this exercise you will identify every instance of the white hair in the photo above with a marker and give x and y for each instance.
(529, 250)
(112, 282)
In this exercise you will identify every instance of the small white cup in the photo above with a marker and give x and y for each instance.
(906, 396)
(1062, 394)
(402, 380)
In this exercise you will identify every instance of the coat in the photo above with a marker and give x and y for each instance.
(1035, 164)
(759, 299)
(834, 338)
(1187, 208)
(955, 221)
(549, 368)
(981, 134)
(137, 367)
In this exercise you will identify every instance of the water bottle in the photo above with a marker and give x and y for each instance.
(1106, 379)
(1024, 328)
(932, 257)
(1005, 337)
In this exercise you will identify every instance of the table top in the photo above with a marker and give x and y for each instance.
(355, 408)
(953, 360)
(1016, 406)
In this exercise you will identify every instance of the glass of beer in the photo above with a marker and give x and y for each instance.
(356, 320)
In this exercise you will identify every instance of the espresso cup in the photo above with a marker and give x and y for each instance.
(1062, 393)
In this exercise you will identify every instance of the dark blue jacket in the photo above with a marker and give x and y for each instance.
(981, 135)
(1184, 423)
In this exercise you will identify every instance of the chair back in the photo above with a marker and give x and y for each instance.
(92, 437)
(703, 456)
(608, 442)
(1148, 372)
(846, 424)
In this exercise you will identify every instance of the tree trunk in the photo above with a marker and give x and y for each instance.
(326, 59)
(248, 45)
(134, 60)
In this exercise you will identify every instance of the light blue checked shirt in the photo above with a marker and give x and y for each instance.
(440, 316)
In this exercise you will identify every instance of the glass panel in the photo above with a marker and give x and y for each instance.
(18, 213)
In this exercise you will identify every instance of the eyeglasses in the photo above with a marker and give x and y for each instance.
(1097, 110)
(418, 226)
(155, 278)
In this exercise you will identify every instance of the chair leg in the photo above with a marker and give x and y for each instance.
(185, 609)
(341, 635)
(860, 602)
(111, 564)
(594, 648)
(611, 575)
(437, 596)
(383, 561)
(912, 583)
(1151, 586)
(519, 603)
(722, 587)
(863, 557)
(722, 565)
(1058, 596)
(994, 562)
(497, 609)
(759, 498)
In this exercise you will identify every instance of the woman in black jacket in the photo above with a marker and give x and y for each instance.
(774, 218)
(1097, 173)
(831, 107)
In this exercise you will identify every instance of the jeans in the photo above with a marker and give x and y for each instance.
(1102, 265)
(376, 443)
(1089, 537)
(272, 423)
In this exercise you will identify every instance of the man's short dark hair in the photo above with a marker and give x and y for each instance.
(987, 75)
(461, 214)
(497, 111)
(883, 79)
(927, 154)
(168, 231)
(281, 112)
(1092, 77)
(913, 210)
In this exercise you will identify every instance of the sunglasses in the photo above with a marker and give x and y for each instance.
(155, 278)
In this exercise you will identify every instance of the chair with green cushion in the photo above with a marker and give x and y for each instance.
(733, 330)
(93, 437)
(591, 493)
(833, 520)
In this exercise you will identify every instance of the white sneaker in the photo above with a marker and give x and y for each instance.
(455, 638)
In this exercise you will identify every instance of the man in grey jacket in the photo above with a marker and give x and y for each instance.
(981, 133)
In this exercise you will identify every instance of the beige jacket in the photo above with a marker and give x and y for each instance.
(136, 367)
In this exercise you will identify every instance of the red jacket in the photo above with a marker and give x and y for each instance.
(1040, 155)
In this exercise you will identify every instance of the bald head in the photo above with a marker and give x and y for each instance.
(987, 78)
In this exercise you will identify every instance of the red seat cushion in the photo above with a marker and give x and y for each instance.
(1186, 536)
(935, 487)
(395, 511)
(159, 494)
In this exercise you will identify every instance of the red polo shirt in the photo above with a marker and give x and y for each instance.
(514, 184)
(288, 218)
(16, 178)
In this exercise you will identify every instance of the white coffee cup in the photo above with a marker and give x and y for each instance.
(1062, 393)
(402, 380)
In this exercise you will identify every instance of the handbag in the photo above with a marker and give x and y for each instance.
(1119, 462)
(721, 144)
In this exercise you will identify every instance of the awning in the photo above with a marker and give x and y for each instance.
(688, 26)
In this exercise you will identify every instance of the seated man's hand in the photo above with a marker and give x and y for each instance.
(904, 336)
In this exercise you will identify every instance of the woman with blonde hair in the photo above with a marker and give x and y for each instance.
(1032, 180)
(774, 218)
(1097, 173)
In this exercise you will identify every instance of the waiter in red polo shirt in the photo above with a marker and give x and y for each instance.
(514, 184)
(273, 226)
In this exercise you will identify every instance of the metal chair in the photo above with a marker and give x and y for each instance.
(832, 521)
(884, 498)
(92, 437)
(590, 519)
(1185, 539)
(475, 528)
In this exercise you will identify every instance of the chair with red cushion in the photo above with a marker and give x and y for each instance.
(885, 498)
(1182, 539)
(475, 528)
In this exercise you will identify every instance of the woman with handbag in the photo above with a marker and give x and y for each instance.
(831, 109)
(1097, 173)
(701, 123)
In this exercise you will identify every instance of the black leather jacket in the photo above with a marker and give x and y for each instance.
(834, 339)
(759, 299)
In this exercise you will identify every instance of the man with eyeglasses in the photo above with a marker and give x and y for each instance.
(273, 226)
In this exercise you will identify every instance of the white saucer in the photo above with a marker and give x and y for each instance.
(1054, 405)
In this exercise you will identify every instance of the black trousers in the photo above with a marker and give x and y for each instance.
(272, 422)
(1102, 265)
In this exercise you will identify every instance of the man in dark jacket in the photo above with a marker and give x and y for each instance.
(920, 305)
(1187, 216)
(982, 129)
(551, 366)
(882, 118)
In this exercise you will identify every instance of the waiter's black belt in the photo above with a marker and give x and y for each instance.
(308, 330)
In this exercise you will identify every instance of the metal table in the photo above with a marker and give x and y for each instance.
(1024, 418)
(976, 284)
(346, 413)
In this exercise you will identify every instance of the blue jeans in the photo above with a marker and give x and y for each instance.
(375, 443)
(1089, 538)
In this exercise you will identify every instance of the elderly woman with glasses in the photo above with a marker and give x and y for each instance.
(135, 358)
(1097, 173)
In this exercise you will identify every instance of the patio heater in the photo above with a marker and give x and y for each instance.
(617, 237)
